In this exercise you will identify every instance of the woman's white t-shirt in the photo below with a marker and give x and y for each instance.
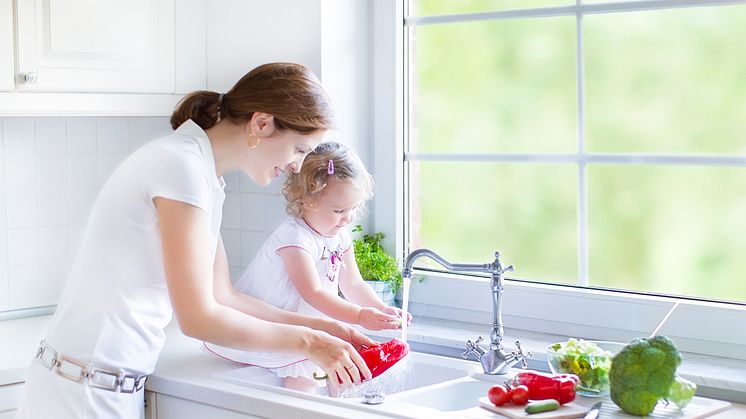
(116, 305)
(267, 279)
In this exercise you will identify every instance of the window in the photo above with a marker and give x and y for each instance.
(599, 145)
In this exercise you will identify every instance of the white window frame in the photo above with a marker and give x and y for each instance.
(697, 326)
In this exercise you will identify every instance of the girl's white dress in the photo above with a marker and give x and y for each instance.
(267, 279)
(115, 304)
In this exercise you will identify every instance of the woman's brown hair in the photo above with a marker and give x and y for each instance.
(289, 92)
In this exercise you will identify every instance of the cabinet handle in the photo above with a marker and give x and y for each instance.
(30, 77)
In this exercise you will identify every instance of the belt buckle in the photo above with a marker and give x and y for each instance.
(123, 388)
(49, 363)
(117, 378)
(72, 377)
(141, 382)
(138, 383)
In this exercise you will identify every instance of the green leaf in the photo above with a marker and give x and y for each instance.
(373, 261)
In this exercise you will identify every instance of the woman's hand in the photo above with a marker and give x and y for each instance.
(375, 319)
(347, 333)
(396, 311)
(338, 359)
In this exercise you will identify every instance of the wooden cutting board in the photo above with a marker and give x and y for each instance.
(567, 411)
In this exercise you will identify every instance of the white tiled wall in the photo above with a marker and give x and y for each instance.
(51, 170)
(250, 214)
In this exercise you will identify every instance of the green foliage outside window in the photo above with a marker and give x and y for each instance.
(656, 82)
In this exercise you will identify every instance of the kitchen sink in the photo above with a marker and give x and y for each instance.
(415, 371)
(449, 396)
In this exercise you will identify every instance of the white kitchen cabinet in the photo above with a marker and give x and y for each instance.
(6, 45)
(106, 57)
(10, 396)
(169, 407)
(150, 405)
(106, 45)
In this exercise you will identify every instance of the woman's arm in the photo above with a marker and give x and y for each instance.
(188, 265)
(226, 294)
(305, 278)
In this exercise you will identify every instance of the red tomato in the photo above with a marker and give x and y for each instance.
(519, 395)
(498, 395)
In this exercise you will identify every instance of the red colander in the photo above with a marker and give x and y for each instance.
(381, 357)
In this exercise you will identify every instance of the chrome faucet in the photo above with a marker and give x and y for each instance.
(494, 361)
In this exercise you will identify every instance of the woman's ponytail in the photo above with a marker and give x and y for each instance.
(289, 92)
(202, 107)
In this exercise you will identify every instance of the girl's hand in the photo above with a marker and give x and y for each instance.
(337, 358)
(375, 319)
(396, 311)
(347, 333)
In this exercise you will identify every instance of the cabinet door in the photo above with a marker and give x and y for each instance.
(150, 405)
(102, 45)
(6, 45)
(169, 407)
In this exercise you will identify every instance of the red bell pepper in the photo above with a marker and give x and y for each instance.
(381, 357)
(542, 386)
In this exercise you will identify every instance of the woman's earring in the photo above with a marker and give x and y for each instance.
(255, 143)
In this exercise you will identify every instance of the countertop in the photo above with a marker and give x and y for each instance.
(185, 370)
(19, 340)
(715, 377)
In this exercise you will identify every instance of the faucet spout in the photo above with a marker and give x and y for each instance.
(453, 267)
(495, 360)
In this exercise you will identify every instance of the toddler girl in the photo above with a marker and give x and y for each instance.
(309, 258)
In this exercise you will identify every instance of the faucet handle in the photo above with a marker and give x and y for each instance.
(498, 268)
(473, 348)
(518, 354)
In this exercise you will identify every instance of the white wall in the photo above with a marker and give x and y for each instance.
(346, 75)
(239, 36)
(242, 34)
(329, 36)
(345, 70)
(51, 170)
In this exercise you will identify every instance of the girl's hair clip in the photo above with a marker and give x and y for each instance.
(330, 168)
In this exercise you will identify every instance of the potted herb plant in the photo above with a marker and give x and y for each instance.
(377, 268)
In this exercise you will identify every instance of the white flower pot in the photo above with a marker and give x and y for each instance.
(383, 289)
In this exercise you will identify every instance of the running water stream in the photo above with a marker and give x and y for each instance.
(392, 380)
(404, 307)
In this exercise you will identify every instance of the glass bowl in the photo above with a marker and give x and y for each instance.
(590, 360)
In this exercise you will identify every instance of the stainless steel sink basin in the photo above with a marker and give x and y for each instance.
(448, 396)
(416, 371)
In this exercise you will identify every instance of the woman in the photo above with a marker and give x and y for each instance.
(152, 249)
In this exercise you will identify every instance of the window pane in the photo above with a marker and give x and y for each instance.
(500, 86)
(610, 1)
(442, 7)
(466, 211)
(671, 230)
(666, 81)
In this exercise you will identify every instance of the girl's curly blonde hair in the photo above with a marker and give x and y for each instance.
(302, 188)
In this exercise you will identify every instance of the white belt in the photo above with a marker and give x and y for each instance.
(79, 372)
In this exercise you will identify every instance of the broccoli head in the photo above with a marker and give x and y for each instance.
(642, 373)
